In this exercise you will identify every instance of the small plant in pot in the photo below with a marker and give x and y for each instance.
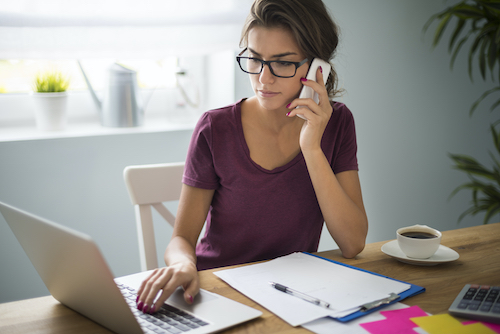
(50, 97)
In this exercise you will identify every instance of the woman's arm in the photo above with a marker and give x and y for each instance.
(341, 203)
(180, 256)
(339, 196)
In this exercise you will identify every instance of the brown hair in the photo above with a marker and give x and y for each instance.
(309, 22)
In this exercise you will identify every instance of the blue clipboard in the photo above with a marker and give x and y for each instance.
(412, 291)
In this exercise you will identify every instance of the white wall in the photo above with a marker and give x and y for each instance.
(410, 111)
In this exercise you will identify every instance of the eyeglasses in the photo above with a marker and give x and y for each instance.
(279, 68)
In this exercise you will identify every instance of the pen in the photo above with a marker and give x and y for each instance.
(300, 295)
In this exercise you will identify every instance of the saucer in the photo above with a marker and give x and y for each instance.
(442, 255)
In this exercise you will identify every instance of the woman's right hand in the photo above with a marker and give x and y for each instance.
(166, 280)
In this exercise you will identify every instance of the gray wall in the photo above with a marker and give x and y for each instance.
(410, 111)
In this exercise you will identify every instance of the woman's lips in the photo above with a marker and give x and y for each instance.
(267, 93)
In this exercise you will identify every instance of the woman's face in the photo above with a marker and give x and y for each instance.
(272, 92)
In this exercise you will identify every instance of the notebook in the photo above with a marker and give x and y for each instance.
(76, 274)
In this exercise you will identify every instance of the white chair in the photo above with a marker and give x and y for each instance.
(150, 186)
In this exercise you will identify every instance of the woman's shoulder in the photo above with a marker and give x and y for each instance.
(221, 118)
(341, 113)
(225, 111)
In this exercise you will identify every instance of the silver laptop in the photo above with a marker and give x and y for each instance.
(76, 274)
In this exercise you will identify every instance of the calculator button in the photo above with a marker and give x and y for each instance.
(463, 305)
(473, 307)
(485, 307)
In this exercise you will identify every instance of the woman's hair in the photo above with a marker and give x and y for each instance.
(308, 21)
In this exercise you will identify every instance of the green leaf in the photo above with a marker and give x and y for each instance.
(492, 54)
(493, 210)
(491, 5)
(440, 29)
(457, 49)
(482, 58)
(458, 29)
(470, 166)
(469, 12)
(497, 36)
(496, 137)
(481, 98)
(495, 105)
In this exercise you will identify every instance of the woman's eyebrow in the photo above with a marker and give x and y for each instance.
(284, 54)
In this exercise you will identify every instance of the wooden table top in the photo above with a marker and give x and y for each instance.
(479, 262)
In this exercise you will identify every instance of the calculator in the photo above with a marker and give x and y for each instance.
(478, 302)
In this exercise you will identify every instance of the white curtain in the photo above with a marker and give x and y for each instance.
(68, 29)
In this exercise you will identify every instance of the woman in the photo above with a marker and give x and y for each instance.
(264, 179)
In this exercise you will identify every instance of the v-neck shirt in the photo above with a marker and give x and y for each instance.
(256, 213)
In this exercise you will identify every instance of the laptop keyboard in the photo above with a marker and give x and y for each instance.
(168, 319)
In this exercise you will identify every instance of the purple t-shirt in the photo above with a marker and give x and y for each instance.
(259, 214)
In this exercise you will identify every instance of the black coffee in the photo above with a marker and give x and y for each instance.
(419, 235)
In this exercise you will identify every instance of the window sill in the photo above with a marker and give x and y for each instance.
(87, 129)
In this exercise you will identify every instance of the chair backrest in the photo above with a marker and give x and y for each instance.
(150, 186)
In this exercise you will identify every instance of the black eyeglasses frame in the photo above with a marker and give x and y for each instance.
(268, 63)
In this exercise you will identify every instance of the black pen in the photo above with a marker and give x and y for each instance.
(300, 295)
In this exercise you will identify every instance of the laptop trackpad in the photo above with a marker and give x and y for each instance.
(177, 298)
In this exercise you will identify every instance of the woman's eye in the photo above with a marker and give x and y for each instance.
(283, 63)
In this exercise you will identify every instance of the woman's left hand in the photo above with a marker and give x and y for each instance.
(317, 114)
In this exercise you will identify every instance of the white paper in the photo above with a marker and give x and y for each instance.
(346, 289)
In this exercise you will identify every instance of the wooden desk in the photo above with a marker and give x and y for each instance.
(479, 249)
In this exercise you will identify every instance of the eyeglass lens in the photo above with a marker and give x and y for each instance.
(278, 68)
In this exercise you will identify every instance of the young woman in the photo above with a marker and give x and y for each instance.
(264, 179)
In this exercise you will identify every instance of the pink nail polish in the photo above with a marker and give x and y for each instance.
(321, 69)
(140, 306)
(190, 298)
(288, 105)
(145, 309)
(288, 113)
(303, 79)
(152, 309)
(137, 299)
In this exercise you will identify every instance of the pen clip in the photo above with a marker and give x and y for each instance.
(368, 306)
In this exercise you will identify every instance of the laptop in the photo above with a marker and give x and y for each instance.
(76, 274)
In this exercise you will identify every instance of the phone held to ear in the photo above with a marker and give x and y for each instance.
(308, 92)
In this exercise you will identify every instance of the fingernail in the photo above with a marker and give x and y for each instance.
(145, 309)
(288, 113)
(190, 298)
(140, 306)
(152, 309)
(303, 79)
(137, 299)
(321, 69)
(288, 105)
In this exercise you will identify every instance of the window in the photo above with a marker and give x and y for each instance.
(158, 38)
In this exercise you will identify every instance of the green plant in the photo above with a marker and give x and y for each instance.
(50, 82)
(484, 183)
(479, 21)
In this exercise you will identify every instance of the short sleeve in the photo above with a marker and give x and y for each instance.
(346, 157)
(199, 169)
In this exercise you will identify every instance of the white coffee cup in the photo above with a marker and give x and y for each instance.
(418, 241)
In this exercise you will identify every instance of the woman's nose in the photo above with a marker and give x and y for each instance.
(266, 76)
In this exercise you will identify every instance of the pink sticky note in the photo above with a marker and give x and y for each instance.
(396, 322)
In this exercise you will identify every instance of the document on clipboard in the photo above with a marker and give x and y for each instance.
(345, 288)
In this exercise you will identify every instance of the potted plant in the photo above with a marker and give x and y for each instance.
(477, 21)
(50, 98)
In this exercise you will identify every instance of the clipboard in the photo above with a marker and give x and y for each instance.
(412, 291)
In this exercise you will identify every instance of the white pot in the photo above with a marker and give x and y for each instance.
(50, 110)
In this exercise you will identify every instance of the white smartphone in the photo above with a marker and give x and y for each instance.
(308, 92)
